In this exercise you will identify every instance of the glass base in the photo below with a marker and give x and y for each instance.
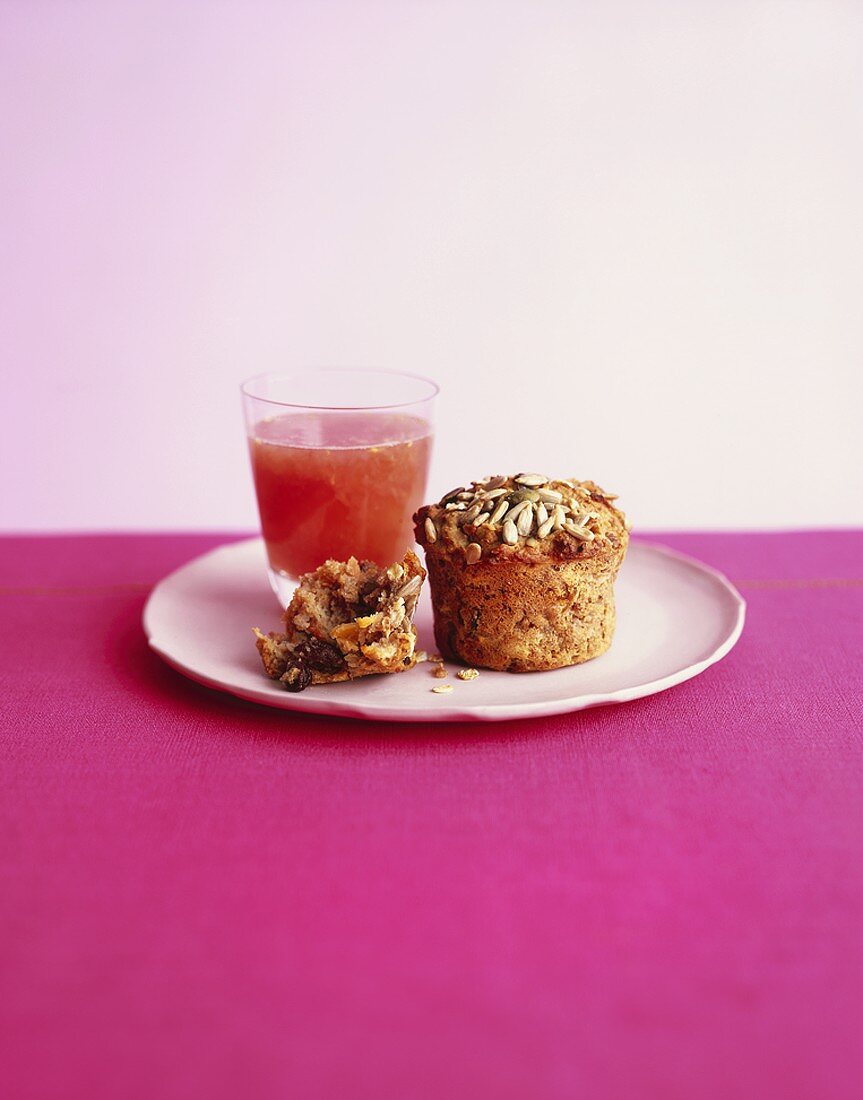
(283, 585)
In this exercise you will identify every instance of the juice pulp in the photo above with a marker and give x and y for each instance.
(336, 485)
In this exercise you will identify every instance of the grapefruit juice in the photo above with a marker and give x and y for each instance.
(332, 485)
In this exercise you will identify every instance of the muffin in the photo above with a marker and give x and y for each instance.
(346, 620)
(522, 571)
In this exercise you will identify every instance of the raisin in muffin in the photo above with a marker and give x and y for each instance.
(522, 571)
(346, 620)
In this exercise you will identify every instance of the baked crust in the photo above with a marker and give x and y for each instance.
(540, 603)
(346, 620)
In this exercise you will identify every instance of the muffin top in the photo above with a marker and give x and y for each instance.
(526, 518)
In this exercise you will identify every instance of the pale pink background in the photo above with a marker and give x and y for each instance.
(626, 238)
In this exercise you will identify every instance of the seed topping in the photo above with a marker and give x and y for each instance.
(522, 510)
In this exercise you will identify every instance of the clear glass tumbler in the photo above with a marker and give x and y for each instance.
(340, 460)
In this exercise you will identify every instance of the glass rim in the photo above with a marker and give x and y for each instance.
(434, 388)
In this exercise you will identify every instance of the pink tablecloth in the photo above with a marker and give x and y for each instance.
(204, 898)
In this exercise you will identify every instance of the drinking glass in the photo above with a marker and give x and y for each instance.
(340, 460)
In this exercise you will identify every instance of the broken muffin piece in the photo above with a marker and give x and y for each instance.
(346, 620)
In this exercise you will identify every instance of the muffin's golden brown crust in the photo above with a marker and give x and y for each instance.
(346, 620)
(534, 595)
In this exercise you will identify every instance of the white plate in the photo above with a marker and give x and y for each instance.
(675, 618)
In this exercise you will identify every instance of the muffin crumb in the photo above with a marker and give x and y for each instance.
(346, 620)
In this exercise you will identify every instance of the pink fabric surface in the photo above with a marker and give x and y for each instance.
(205, 898)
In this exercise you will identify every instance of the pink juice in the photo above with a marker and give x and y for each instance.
(336, 485)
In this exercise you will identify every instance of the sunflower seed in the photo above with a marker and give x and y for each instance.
(546, 528)
(442, 689)
(451, 495)
(473, 553)
(541, 514)
(471, 514)
(482, 518)
(493, 494)
(495, 482)
(465, 495)
(500, 511)
(430, 529)
(456, 507)
(467, 674)
(560, 514)
(413, 585)
(532, 481)
(517, 509)
(525, 520)
(510, 533)
(579, 532)
(550, 496)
